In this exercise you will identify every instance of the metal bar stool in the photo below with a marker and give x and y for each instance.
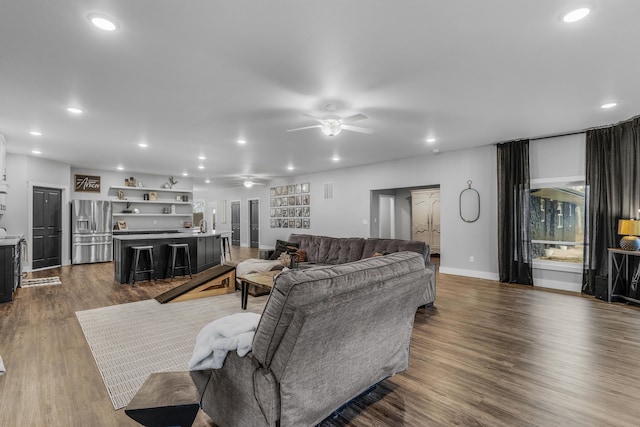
(175, 247)
(135, 263)
(226, 248)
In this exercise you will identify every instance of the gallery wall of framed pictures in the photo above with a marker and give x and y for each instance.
(290, 206)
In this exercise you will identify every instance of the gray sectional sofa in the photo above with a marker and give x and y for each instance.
(326, 335)
(325, 250)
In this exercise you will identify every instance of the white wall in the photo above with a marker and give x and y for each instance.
(348, 213)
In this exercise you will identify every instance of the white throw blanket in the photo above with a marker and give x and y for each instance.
(255, 265)
(215, 340)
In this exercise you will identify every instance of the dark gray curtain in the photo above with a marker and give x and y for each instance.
(613, 175)
(514, 239)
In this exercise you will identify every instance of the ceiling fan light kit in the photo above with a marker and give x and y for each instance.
(332, 125)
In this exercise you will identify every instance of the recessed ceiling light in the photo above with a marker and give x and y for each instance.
(143, 145)
(431, 140)
(120, 168)
(201, 167)
(185, 174)
(35, 133)
(576, 15)
(335, 158)
(290, 167)
(103, 22)
(207, 181)
(202, 157)
(36, 151)
(242, 141)
(608, 105)
(74, 110)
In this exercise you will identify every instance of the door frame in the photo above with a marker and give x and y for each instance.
(65, 255)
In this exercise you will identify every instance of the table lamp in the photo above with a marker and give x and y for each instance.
(631, 230)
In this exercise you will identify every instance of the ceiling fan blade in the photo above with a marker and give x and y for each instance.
(357, 129)
(354, 118)
(313, 117)
(302, 128)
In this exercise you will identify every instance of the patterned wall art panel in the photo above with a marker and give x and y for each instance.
(290, 206)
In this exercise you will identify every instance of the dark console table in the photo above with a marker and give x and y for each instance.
(204, 248)
(619, 278)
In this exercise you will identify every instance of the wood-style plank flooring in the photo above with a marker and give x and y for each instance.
(487, 354)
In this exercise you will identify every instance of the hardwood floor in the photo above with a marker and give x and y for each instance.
(487, 354)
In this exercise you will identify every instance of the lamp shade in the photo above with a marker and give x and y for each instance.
(629, 227)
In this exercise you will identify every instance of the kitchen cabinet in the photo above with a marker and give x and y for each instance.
(10, 271)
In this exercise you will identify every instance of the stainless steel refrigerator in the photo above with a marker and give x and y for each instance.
(91, 235)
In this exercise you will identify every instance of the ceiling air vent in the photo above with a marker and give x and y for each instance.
(328, 190)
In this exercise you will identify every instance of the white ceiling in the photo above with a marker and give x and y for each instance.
(192, 77)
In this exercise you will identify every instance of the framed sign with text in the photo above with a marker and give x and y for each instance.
(88, 183)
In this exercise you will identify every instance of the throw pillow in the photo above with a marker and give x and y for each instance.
(281, 246)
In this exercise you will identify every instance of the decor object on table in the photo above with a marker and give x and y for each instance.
(172, 182)
(122, 225)
(153, 195)
(469, 204)
(630, 228)
(121, 195)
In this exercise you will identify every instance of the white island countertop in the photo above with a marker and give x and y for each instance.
(160, 236)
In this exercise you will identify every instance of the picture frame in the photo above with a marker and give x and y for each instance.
(306, 223)
(299, 188)
(153, 196)
(305, 187)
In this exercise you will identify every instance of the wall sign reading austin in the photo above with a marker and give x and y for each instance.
(88, 183)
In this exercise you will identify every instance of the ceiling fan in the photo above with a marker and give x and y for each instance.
(248, 182)
(332, 124)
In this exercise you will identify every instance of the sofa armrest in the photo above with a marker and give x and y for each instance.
(240, 393)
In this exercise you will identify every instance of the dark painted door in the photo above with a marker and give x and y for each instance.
(47, 227)
(254, 223)
(235, 223)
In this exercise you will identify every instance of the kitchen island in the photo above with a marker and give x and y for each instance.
(204, 248)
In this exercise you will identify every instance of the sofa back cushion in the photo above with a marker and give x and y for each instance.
(385, 246)
(329, 250)
(296, 288)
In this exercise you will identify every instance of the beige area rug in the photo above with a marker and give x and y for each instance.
(45, 281)
(131, 341)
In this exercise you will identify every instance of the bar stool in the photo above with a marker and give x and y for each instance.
(226, 248)
(135, 263)
(184, 247)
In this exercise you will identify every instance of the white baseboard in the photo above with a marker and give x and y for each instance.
(556, 284)
(469, 273)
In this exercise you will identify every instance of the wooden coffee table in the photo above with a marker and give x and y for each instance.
(261, 279)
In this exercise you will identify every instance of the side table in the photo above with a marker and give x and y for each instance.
(261, 279)
(165, 399)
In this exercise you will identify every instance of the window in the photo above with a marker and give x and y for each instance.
(558, 212)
